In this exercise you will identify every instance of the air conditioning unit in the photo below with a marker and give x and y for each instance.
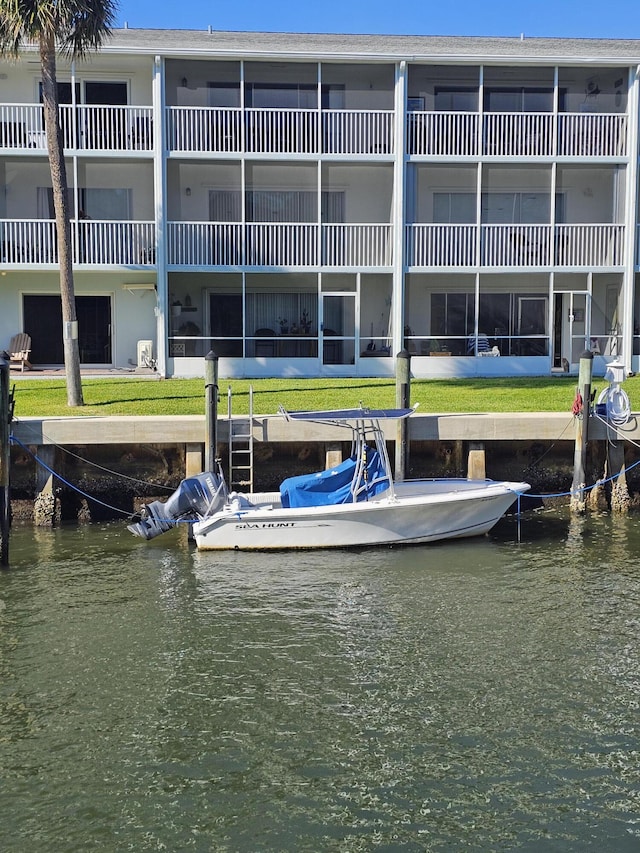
(145, 353)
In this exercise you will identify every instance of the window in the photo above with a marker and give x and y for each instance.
(288, 96)
(513, 208)
(518, 100)
(102, 203)
(456, 99)
(223, 94)
(453, 208)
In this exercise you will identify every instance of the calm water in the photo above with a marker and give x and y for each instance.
(480, 696)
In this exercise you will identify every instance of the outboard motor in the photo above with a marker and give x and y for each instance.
(195, 496)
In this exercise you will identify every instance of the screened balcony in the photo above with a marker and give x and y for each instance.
(84, 127)
(274, 244)
(456, 134)
(575, 245)
(33, 241)
(279, 131)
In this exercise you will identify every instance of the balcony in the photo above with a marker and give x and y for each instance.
(84, 128)
(456, 134)
(279, 131)
(33, 241)
(270, 244)
(514, 246)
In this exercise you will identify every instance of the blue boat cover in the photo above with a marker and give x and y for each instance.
(333, 486)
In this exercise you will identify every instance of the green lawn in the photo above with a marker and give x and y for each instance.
(134, 396)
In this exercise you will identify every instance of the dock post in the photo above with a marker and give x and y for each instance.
(582, 409)
(5, 461)
(45, 505)
(476, 461)
(403, 397)
(211, 419)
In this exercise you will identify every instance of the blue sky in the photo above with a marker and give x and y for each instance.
(586, 19)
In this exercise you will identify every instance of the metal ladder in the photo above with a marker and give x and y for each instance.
(240, 447)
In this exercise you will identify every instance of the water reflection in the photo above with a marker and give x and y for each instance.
(476, 695)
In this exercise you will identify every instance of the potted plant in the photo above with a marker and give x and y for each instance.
(305, 322)
(284, 326)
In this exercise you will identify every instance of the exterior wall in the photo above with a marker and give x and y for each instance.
(266, 186)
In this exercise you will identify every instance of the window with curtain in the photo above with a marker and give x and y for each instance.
(106, 203)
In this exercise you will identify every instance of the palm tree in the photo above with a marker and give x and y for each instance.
(73, 28)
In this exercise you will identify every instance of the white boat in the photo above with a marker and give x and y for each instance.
(355, 504)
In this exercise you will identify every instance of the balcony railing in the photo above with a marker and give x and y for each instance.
(357, 245)
(90, 127)
(518, 134)
(209, 129)
(440, 133)
(357, 132)
(215, 244)
(33, 241)
(274, 131)
(456, 134)
(429, 245)
(441, 245)
(84, 127)
(278, 244)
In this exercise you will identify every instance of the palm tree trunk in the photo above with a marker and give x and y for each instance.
(63, 222)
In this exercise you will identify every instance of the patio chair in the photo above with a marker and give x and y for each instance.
(19, 350)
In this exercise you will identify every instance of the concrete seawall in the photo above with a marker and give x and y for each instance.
(123, 460)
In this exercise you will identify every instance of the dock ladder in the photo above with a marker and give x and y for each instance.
(240, 447)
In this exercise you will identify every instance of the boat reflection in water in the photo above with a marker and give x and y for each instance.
(355, 504)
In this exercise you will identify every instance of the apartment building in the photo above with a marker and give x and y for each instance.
(309, 205)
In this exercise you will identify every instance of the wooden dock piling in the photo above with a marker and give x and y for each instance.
(5, 461)
(582, 409)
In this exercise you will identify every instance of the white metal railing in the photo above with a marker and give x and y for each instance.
(357, 132)
(455, 134)
(83, 127)
(589, 245)
(107, 128)
(357, 245)
(281, 131)
(592, 134)
(516, 245)
(434, 245)
(278, 244)
(442, 133)
(22, 126)
(204, 129)
(28, 241)
(34, 241)
(281, 244)
(204, 243)
(518, 134)
(110, 242)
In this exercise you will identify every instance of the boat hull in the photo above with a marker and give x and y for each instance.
(420, 511)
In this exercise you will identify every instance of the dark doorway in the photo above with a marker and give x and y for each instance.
(43, 322)
(225, 323)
